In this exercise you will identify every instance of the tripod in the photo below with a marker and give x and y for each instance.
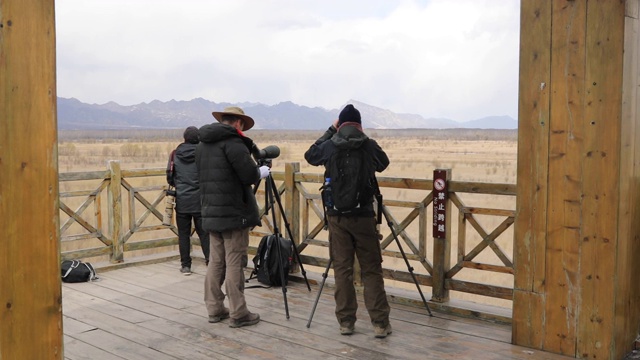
(381, 211)
(272, 197)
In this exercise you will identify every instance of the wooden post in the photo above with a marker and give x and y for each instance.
(292, 203)
(441, 234)
(576, 229)
(114, 196)
(30, 286)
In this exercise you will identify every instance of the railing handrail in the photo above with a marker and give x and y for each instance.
(302, 209)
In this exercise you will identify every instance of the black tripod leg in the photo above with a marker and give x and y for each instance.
(324, 279)
(406, 261)
(288, 227)
(270, 195)
(282, 279)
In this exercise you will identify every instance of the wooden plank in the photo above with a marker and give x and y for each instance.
(528, 329)
(76, 299)
(84, 175)
(29, 221)
(532, 169)
(292, 202)
(133, 173)
(119, 346)
(114, 195)
(601, 161)
(486, 211)
(73, 326)
(482, 188)
(565, 175)
(627, 315)
(75, 349)
(185, 333)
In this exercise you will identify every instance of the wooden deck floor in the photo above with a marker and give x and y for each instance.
(154, 312)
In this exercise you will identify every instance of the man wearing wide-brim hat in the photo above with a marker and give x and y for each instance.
(226, 172)
(234, 111)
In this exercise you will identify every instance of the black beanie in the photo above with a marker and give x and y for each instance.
(349, 114)
(191, 135)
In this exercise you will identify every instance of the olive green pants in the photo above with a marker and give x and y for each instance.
(350, 237)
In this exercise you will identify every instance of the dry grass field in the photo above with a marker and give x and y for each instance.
(472, 155)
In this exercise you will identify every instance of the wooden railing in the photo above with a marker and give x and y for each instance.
(470, 259)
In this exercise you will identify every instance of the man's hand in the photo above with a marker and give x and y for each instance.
(264, 171)
(335, 123)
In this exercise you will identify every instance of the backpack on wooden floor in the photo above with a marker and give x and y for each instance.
(74, 271)
(266, 265)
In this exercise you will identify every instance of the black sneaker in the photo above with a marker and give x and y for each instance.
(185, 270)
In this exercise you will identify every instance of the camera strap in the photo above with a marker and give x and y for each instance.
(378, 196)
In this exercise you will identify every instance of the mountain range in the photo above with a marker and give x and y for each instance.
(76, 115)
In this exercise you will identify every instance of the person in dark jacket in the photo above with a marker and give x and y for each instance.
(185, 179)
(229, 209)
(354, 233)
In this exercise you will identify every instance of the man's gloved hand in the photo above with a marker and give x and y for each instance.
(264, 171)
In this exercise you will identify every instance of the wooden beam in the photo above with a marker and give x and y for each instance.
(601, 183)
(531, 206)
(30, 285)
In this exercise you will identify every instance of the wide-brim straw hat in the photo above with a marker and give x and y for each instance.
(237, 112)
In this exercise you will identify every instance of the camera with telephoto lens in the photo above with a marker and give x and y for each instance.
(170, 202)
(264, 156)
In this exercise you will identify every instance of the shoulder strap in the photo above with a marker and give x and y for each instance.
(92, 272)
(172, 162)
(171, 168)
(378, 195)
(74, 264)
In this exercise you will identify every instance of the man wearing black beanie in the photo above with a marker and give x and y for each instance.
(182, 174)
(351, 160)
(349, 115)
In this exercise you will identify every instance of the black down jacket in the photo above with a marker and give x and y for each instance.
(186, 179)
(226, 172)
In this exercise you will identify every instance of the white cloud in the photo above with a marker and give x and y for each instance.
(439, 58)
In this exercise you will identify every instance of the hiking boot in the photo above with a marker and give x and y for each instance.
(346, 328)
(249, 319)
(221, 316)
(382, 332)
(185, 270)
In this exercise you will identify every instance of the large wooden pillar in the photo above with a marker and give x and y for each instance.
(577, 229)
(30, 290)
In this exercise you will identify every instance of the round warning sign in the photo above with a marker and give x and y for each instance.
(438, 184)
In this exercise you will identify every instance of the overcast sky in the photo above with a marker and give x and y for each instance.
(456, 59)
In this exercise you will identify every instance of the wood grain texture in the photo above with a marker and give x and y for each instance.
(627, 314)
(565, 176)
(601, 190)
(153, 311)
(29, 221)
(533, 133)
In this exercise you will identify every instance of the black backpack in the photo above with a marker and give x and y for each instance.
(266, 265)
(73, 271)
(352, 173)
